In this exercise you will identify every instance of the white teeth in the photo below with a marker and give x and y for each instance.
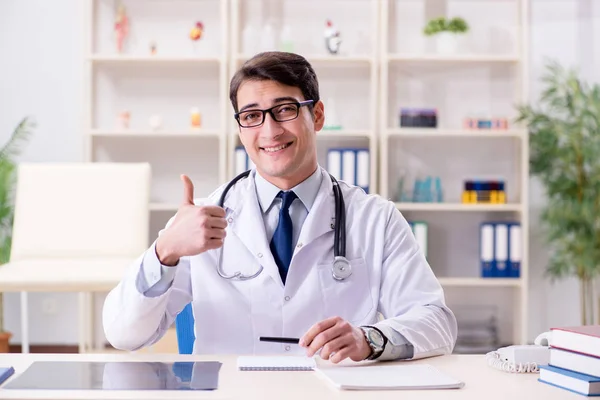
(273, 149)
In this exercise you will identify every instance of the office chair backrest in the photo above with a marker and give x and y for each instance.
(184, 326)
(81, 210)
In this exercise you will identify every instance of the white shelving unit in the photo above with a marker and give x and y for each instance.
(348, 79)
(181, 75)
(485, 79)
(384, 63)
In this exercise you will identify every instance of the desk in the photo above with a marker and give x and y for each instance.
(57, 275)
(481, 382)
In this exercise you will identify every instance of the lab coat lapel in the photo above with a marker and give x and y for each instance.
(321, 217)
(246, 222)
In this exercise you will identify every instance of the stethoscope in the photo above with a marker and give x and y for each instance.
(341, 268)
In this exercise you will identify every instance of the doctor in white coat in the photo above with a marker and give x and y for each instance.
(280, 221)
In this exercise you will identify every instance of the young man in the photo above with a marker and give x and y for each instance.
(276, 229)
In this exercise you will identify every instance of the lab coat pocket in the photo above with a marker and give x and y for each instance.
(350, 299)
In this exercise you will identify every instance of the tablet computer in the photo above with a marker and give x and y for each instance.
(118, 375)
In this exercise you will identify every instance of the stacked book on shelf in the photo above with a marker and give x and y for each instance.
(574, 360)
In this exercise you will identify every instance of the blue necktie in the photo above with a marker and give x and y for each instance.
(281, 244)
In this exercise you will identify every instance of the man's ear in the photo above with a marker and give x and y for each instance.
(319, 115)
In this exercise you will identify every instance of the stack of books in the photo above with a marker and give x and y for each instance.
(574, 360)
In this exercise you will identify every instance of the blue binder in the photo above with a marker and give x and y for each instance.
(487, 249)
(351, 165)
(515, 237)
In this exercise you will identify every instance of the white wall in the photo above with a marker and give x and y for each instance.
(41, 75)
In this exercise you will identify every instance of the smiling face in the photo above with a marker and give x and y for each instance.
(284, 153)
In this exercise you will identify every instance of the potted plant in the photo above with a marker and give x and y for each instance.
(8, 153)
(446, 32)
(564, 145)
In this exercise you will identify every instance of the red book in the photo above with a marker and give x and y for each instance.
(580, 339)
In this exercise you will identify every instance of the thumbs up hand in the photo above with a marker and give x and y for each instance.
(194, 230)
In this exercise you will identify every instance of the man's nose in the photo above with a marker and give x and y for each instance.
(271, 128)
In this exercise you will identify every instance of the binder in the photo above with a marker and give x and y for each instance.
(362, 169)
(514, 250)
(420, 231)
(500, 268)
(486, 249)
(240, 160)
(349, 166)
(334, 163)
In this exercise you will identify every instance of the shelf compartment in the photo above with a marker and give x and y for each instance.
(454, 58)
(480, 282)
(514, 207)
(154, 134)
(436, 133)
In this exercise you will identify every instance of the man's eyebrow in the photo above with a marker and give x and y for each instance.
(275, 101)
(285, 98)
(248, 106)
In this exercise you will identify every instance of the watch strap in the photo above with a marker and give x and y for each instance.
(374, 355)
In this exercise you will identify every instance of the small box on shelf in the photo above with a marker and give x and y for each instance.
(425, 190)
(418, 118)
(485, 124)
(484, 192)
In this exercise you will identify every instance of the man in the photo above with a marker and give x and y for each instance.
(277, 226)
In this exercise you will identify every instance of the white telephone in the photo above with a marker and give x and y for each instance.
(521, 358)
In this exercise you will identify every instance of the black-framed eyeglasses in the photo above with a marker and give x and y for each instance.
(280, 113)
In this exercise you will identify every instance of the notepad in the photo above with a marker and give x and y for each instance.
(281, 363)
(388, 377)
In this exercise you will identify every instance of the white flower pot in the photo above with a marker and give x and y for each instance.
(446, 43)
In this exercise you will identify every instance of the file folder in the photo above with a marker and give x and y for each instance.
(420, 231)
(362, 169)
(334, 163)
(500, 268)
(514, 250)
(242, 160)
(486, 249)
(349, 166)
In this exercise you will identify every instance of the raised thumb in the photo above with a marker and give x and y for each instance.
(188, 190)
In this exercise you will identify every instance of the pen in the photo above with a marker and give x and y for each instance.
(278, 339)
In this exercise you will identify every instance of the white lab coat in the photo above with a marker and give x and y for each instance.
(390, 276)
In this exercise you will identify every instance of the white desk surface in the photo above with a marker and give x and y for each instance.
(63, 275)
(481, 382)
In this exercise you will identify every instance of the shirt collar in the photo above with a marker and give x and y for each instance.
(306, 190)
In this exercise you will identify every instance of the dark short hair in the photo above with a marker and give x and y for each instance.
(286, 68)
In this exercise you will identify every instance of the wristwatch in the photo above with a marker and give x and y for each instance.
(376, 340)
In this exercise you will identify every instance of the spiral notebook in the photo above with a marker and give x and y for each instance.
(281, 363)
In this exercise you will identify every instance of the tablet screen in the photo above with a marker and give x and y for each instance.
(117, 375)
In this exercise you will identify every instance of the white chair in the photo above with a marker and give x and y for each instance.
(77, 227)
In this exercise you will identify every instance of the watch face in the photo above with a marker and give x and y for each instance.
(375, 337)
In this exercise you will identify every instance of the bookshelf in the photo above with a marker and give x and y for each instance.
(348, 81)
(164, 86)
(486, 76)
(384, 63)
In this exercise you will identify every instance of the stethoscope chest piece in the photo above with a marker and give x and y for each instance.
(341, 268)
